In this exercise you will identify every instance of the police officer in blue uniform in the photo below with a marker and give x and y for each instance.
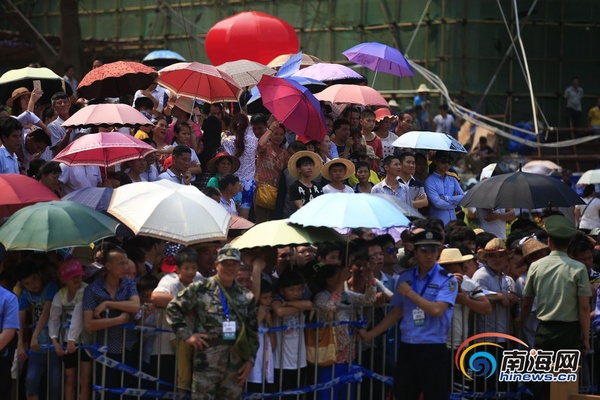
(424, 299)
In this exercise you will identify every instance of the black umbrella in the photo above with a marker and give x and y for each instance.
(521, 190)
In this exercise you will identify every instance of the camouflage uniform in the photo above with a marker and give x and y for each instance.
(215, 369)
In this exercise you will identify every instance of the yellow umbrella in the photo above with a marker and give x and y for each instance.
(282, 233)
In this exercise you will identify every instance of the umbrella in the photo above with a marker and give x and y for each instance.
(331, 73)
(20, 191)
(106, 115)
(379, 57)
(424, 140)
(103, 149)
(542, 167)
(401, 204)
(24, 77)
(55, 225)
(282, 233)
(352, 94)
(255, 104)
(97, 198)
(350, 210)
(116, 79)
(240, 223)
(590, 177)
(307, 60)
(170, 211)
(199, 81)
(245, 72)
(520, 190)
(162, 58)
(294, 106)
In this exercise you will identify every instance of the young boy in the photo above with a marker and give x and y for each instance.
(304, 166)
(336, 171)
(34, 302)
(290, 351)
(367, 123)
(186, 266)
(265, 354)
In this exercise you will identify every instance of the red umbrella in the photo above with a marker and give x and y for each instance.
(107, 115)
(352, 94)
(199, 81)
(294, 106)
(103, 149)
(116, 79)
(19, 191)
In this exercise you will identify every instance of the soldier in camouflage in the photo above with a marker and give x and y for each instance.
(218, 372)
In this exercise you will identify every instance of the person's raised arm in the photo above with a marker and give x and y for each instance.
(584, 323)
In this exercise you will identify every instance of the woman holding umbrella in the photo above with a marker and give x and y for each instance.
(272, 159)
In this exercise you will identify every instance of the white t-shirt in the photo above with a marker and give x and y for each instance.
(79, 177)
(443, 124)
(330, 189)
(264, 360)
(590, 218)
(497, 226)
(290, 352)
(388, 149)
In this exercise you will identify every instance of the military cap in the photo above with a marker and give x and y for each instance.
(428, 238)
(228, 253)
(559, 227)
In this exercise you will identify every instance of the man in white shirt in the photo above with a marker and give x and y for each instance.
(443, 121)
(11, 136)
(79, 177)
(179, 172)
(229, 186)
(61, 137)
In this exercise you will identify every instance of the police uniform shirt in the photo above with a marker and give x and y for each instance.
(436, 285)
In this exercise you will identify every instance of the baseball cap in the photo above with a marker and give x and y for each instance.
(69, 269)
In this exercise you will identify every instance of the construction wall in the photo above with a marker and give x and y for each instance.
(463, 41)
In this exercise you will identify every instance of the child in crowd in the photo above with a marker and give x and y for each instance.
(257, 381)
(34, 309)
(147, 317)
(336, 172)
(9, 321)
(186, 267)
(66, 312)
(290, 352)
(304, 166)
(363, 170)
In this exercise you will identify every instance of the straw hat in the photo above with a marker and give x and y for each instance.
(347, 163)
(478, 231)
(453, 256)
(531, 245)
(393, 103)
(211, 166)
(382, 113)
(423, 88)
(18, 92)
(495, 245)
(298, 155)
(366, 151)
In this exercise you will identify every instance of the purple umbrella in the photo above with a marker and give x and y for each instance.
(379, 57)
(294, 106)
(331, 74)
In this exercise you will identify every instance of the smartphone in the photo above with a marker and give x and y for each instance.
(37, 84)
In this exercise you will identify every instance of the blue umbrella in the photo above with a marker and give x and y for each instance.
(350, 210)
(423, 140)
(97, 198)
(162, 58)
(379, 57)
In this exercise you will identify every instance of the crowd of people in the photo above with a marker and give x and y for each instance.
(423, 291)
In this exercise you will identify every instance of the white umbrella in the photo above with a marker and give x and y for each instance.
(541, 167)
(590, 177)
(170, 211)
(424, 140)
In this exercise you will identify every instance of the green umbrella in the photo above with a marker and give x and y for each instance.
(55, 224)
(282, 233)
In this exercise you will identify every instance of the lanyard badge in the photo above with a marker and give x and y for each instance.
(229, 327)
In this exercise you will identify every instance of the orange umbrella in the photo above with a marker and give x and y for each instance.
(116, 79)
(199, 81)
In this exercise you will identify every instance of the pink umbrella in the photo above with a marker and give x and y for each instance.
(106, 115)
(19, 191)
(104, 150)
(199, 81)
(294, 106)
(352, 94)
(331, 73)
